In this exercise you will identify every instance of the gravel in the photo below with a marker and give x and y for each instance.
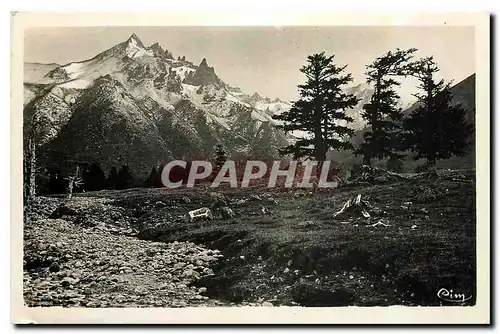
(101, 264)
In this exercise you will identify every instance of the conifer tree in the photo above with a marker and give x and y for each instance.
(437, 129)
(112, 178)
(382, 114)
(153, 179)
(124, 178)
(56, 182)
(321, 110)
(94, 177)
(220, 154)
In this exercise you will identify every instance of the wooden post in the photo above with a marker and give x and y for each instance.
(72, 181)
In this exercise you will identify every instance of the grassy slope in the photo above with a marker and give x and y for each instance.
(298, 253)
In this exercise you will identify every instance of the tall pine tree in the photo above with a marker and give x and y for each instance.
(154, 179)
(94, 177)
(112, 178)
(382, 114)
(320, 110)
(124, 179)
(220, 154)
(437, 129)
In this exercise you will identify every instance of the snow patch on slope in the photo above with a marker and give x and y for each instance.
(273, 107)
(135, 49)
(74, 70)
(76, 84)
(182, 71)
(232, 98)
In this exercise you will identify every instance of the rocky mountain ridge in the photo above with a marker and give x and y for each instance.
(134, 99)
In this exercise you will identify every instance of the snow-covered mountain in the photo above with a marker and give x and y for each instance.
(140, 106)
(364, 93)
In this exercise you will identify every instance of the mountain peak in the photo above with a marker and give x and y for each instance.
(204, 63)
(134, 40)
(134, 48)
(133, 37)
(157, 49)
(203, 75)
(155, 46)
(159, 52)
(256, 96)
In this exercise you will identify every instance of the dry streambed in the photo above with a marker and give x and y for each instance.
(67, 264)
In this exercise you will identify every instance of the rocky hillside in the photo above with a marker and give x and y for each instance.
(139, 106)
(267, 247)
(82, 259)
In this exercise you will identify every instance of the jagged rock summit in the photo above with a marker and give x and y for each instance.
(204, 75)
(159, 52)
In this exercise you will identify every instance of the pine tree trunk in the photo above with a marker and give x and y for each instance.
(32, 168)
(374, 149)
(25, 175)
(70, 188)
(320, 157)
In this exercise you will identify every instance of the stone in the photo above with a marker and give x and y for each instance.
(188, 273)
(208, 271)
(227, 212)
(54, 267)
(307, 223)
(46, 298)
(66, 282)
